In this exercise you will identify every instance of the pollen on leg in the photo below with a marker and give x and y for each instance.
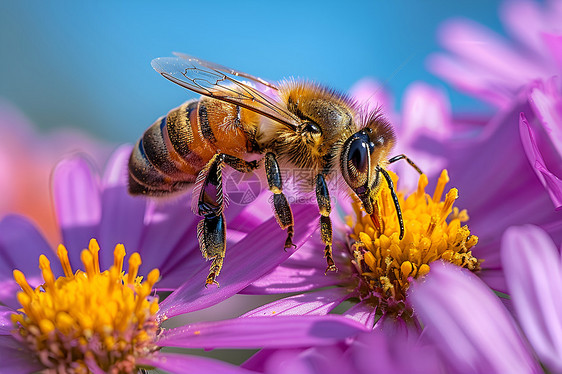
(433, 231)
(91, 318)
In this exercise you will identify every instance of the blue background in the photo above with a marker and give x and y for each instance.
(87, 64)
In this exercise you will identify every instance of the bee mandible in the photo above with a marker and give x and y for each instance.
(293, 124)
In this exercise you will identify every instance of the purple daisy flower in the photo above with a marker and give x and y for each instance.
(106, 321)
(164, 236)
(522, 77)
(494, 69)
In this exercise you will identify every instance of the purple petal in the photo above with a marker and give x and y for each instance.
(551, 182)
(15, 358)
(554, 44)
(245, 262)
(529, 32)
(263, 332)
(362, 313)
(305, 270)
(507, 191)
(546, 102)
(6, 325)
(484, 49)
(314, 303)
(426, 111)
(455, 308)
(122, 218)
(534, 276)
(20, 247)
(370, 95)
(181, 364)
(377, 352)
(466, 78)
(325, 360)
(77, 204)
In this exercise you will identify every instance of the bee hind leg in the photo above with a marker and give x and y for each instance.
(211, 230)
(283, 211)
(323, 199)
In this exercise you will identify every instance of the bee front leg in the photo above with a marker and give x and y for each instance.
(282, 208)
(323, 199)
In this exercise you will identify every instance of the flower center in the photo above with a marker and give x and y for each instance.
(88, 318)
(386, 264)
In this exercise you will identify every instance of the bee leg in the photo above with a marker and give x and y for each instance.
(404, 157)
(211, 231)
(283, 211)
(239, 164)
(323, 199)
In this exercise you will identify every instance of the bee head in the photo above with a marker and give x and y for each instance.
(362, 156)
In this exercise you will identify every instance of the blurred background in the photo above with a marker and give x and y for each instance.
(86, 65)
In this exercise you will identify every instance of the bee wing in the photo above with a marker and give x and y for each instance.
(227, 70)
(221, 83)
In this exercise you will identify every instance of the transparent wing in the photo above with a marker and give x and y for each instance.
(227, 70)
(221, 83)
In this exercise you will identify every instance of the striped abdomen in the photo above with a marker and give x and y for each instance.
(176, 147)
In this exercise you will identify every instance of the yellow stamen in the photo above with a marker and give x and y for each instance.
(94, 249)
(22, 282)
(387, 263)
(45, 266)
(134, 263)
(62, 254)
(87, 260)
(441, 182)
(118, 256)
(104, 317)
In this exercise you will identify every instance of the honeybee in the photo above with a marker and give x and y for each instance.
(294, 124)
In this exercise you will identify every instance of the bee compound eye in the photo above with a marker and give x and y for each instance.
(358, 156)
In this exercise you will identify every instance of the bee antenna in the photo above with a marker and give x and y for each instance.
(395, 199)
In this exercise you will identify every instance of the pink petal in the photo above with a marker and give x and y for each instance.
(181, 364)
(314, 303)
(260, 332)
(455, 307)
(534, 276)
(551, 182)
